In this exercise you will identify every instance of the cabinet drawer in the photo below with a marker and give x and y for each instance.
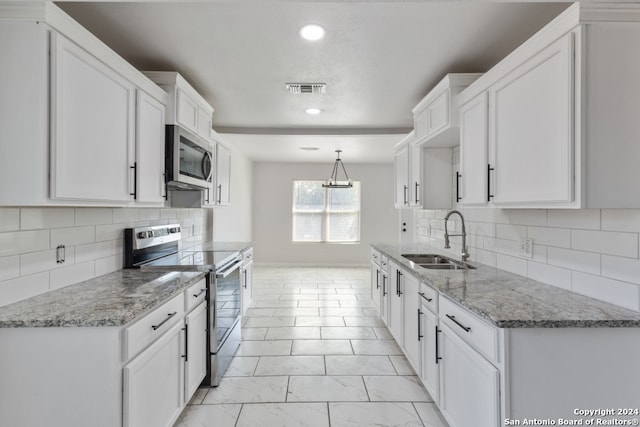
(470, 328)
(152, 326)
(247, 255)
(429, 297)
(384, 263)
(375, 256)
(195, 294)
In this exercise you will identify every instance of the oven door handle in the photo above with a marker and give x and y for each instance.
(230, 269)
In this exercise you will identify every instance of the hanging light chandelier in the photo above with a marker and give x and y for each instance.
(333, 181)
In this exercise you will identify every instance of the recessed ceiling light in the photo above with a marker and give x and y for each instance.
(313, 111)
(309, 148)
(312, 32)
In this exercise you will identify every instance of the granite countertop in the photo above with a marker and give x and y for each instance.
(222, 246)
(511, 301)
(114, 299)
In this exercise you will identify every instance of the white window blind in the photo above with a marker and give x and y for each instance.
(329, 215)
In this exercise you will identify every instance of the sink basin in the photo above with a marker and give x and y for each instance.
(437, 262)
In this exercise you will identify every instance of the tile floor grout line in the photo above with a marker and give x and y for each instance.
(239, 413)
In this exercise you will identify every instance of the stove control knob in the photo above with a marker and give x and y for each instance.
(142, 235)
(174, 230)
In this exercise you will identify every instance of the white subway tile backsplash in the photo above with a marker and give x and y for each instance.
(125, 215)
(534, 217)
(9, 267)
(108, 264)
(37, 262)
(557, 237)
(71, 274)
(93, 251)
(610, 243)
(38, 218)
(586, 262)
(481, 229)
(588, 219)
(511, 264)
(19, 242)
(9, 219)
(110, 232)
(625, 269)
(483, 257)
(496, 216)
(539, 253)
(621, 220)
(72, 236)
(23, 287)
(94, 216)
(149, 214)
(545, 273)
(613, 291)
(511, 232)
(169, 214)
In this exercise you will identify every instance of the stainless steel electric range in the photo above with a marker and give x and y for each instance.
(158, 247)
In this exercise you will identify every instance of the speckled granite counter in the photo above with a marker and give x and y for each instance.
(114, 299)
(511, 301)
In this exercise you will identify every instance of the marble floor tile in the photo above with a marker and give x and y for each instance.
(309, 311)
(430, 415)
(336, 297)
(341, 312)
(376, 347)
(373, 414)
(284, 415)
(321, 347)
(298, 297)
(242, 366)
(269, 322)
(252, 334)
(209, 416)
(318, 304)
(359, 365)
(330, 332)
(326, 389)
(357, 304)
(265, 303)
(265, 348)
(346, 291)
(319, 321)
(334, 285)
(395, 389)
(198, 396)
(370, 312)
(248, 390)
(364, 321)
(294, 332)
(383, 333)
(402, 365)
(319, 291)
(290, 365)
(259, 312)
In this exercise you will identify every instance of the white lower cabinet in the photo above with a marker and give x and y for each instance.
(395, 316)
(152, 386)
(469, 384)
(411, 320)
(195, 361)
(247, 279)
(429, 352)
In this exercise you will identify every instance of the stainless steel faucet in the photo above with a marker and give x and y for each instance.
(465, 250)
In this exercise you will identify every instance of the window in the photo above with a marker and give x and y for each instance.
(329, 215)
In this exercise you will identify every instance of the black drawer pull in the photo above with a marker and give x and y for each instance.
(437, 349)
(169, 316)
(453, 318)
(425, 297)
(200, 293)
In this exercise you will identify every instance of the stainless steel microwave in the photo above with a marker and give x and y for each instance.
(189, 159)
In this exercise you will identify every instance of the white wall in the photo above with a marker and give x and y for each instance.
(272, 203)
(93, 238)
(593, 252)
(233, 223)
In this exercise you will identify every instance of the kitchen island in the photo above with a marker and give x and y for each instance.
(493, 347)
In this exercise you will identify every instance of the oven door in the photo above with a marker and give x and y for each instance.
(226, 304)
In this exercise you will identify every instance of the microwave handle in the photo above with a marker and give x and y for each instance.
(207, 159)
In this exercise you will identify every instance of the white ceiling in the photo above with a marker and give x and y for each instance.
(379, 59)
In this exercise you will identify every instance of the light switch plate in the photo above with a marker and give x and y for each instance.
(526, 248)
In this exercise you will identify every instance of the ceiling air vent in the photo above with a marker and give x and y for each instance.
(298, 88)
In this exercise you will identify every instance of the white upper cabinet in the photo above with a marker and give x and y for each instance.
(70, 102)
(435, 118)
(402, 170)
(186, 107)
(150, 146)
(223, 176)
(558, 130)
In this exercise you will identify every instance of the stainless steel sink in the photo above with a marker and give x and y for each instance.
(437, 262)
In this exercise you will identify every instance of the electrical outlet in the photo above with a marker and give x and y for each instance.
(526, 248)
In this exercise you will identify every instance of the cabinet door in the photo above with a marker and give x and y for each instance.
(402, 177)
(469, 384)
(187, 111)
(415, 182)
(473, 151)
(395, 304)
(411, 317)
(223, 175)
(438, 116)
(429, 352)
(195, 366)
(93, 127)
(247, 287)
(204, 124)
(376, 285)
(150, 121)
(153, 383)
(532, 138)
(384, 297)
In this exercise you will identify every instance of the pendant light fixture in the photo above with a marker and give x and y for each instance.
(333, 181)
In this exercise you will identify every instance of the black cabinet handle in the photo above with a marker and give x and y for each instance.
(245, 279)
(458, 176)
(405, 191)
(220, 194)
(384, 285)
(453, 318)
(417, 198)
(425, 297)
(419, 327)
(135, 180)
(377, 279)
(437, 349)
(186, 342)
(200, 293)
(489, 170)
(169, 316)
